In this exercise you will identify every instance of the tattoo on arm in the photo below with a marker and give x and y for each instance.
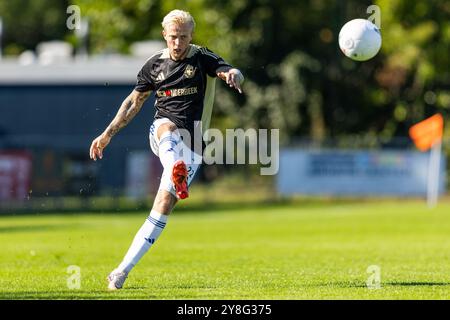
(129, 108)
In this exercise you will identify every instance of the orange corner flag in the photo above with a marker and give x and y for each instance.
(427, 132)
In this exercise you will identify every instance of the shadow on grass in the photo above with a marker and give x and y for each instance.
(129, 293)
(341, 285)
(196, 205)
(186, 206)
(33, 295)
(24, 228)
(416, 283)
(384, 284)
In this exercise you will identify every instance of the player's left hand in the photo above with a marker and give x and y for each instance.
(233, 78)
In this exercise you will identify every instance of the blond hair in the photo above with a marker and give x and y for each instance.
(178, 17)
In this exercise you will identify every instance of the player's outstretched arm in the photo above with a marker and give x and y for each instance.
(232, 76)
(129, 108)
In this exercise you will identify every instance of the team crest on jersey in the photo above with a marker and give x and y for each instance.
(189, 72)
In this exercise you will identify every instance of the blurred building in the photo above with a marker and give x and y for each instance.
(52, 105)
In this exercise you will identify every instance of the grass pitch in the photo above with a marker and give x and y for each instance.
(301, 250)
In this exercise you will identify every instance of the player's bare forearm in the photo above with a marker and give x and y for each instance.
(129, 108)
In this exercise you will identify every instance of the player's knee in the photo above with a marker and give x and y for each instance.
(166, 127)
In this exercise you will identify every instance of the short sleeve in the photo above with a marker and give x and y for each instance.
(144, 82)
(212, 62)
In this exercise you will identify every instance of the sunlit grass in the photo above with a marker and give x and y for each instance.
(287, 251)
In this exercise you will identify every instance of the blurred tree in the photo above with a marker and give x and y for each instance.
(296, 77)
(333, 95)
(115, 24)
(26, 23)
(414, 79)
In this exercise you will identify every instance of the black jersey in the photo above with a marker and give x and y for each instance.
(184, 90)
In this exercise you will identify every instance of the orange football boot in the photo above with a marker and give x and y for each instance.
(179, 179)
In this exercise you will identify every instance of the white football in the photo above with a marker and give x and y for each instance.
(360, 39)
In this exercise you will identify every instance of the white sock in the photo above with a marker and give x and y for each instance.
(169, 149)
(145, 237)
